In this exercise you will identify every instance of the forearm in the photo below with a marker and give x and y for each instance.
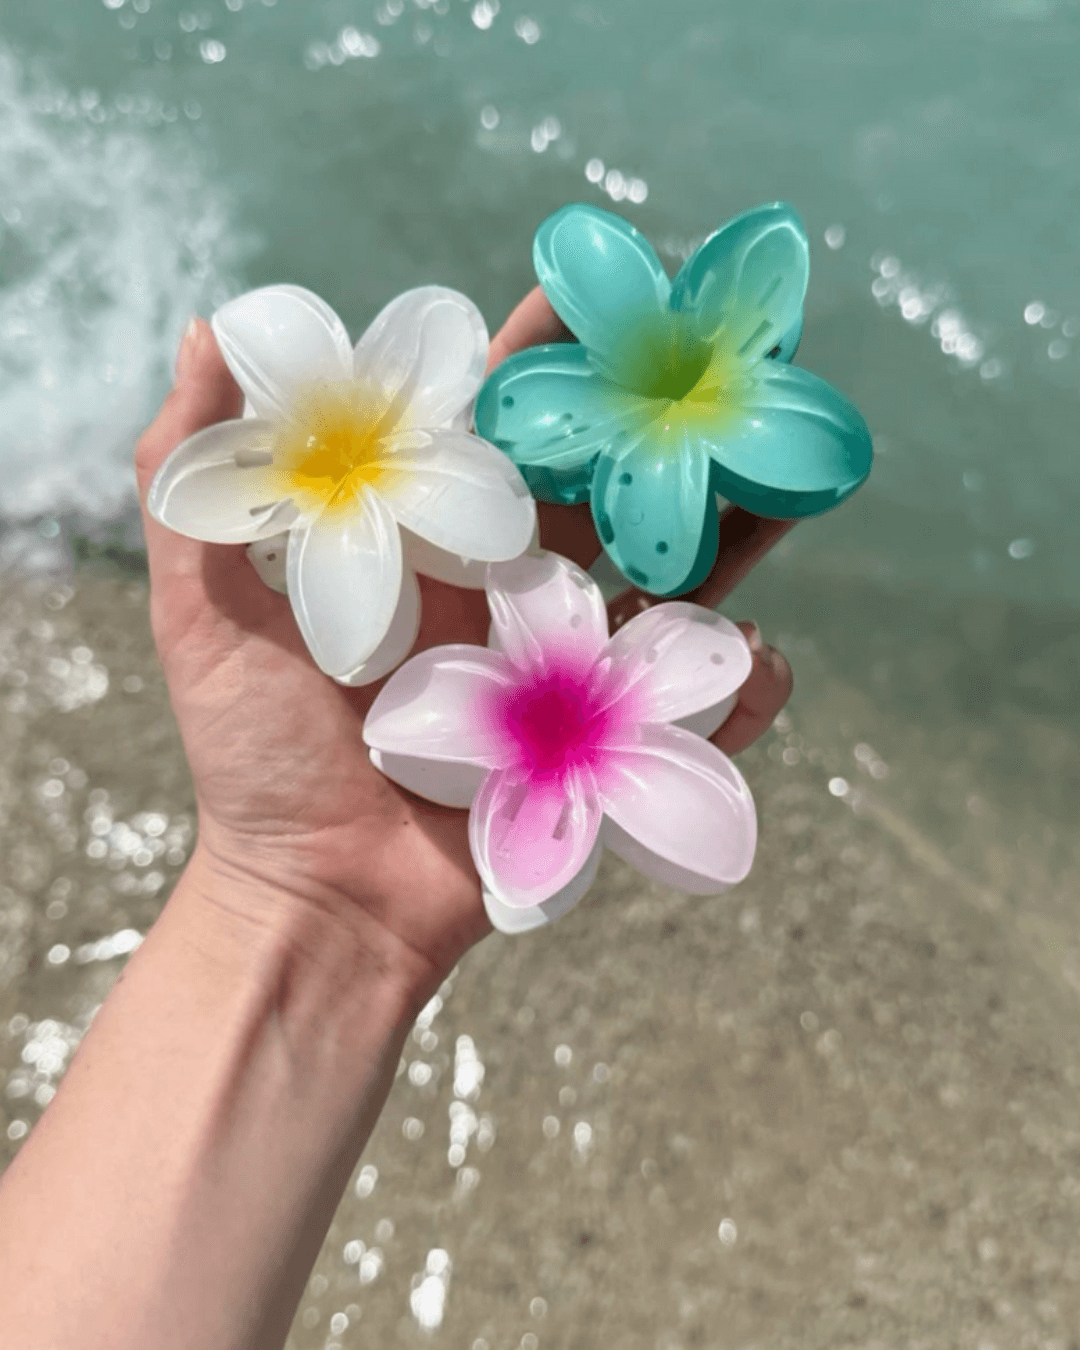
(177, 1189)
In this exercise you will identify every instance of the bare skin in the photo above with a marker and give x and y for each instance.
(255, 1033)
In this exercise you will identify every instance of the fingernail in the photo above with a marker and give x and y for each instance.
(186, 354)
(754, 639)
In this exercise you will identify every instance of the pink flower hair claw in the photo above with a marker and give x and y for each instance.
(562, 740)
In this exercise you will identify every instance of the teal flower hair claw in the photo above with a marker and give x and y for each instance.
(676, 391)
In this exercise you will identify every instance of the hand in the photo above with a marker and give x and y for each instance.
(286, 793)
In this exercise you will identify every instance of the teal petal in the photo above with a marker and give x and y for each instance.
(800, 449)
(553, 413)
(601, 276)
(655, 511)
(747, 282)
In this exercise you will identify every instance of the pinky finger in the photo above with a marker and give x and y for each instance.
(768, 687)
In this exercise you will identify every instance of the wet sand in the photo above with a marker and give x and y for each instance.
(838, 1106)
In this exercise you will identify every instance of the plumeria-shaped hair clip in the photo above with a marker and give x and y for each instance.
(678, 391)
(362, 456)
(561, 740)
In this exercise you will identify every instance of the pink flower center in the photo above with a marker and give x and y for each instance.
(554, 722)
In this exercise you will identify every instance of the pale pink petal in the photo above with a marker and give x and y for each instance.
(344, 579)
(438, 707)
(709, 720)
(278, 342)
(655, 867)
(428, 347)
(674, 660)
(530, 840)
(544, 609)
(219, 486)
(436, 780)
(510, 919)
(683, 799)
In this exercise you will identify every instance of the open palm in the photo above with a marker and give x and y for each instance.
(285, 789)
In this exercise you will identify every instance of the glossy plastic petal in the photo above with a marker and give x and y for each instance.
(708, 721)
(434, 707)
(683, 800)
(530, 841)
(552, 412)
(600, 275)
(657, 868)
(432, 561)
(747, 282)
(508, 919)
(268, 557)
(459, 493)
(398, 640)
(675, 660)
(279, 341)
(654, 510)
(800, 449)
(429, 345)
(344, 578)
(217, 485)
(437, 781)
(545, 608)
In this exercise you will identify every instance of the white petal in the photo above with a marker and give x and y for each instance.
(459, 493)
(268, 557)
(217, 486)
(437, 707)
(399, 639)
(545, 608)
(512, 919)
(278, 341)
(674, 660)
(437, 781)
(429, 345)
(344, 580)
(655, 867)
(436, 562)
(683, 799)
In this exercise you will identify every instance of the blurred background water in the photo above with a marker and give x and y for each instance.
(869, 1070)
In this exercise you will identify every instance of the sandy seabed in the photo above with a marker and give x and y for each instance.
(838, 1106)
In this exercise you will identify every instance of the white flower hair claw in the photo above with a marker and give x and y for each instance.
(354, 469)
(562, 740)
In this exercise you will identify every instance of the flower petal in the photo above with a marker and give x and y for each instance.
(344, 577)
(655, 867)
(684, 800)
(600, 275)
(552, 412)
(529, 841)
(398, 640)
(675, 660)
(268, 557)
(431, 346)
(439, 781)
(432, 561)
(545, 608)
(746, 283)
(654, 509)
(801, 448)
(434, 707)
(708, 721)
(509, 919)
(217, 486)
(459, 493)
(279, 340)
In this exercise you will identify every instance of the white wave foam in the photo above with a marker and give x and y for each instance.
(111, 236)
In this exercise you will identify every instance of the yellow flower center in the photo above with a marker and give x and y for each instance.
(333, 444)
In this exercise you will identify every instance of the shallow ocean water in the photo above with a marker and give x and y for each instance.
(838, 1106)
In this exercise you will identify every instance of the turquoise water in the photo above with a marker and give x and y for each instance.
(156, 156)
